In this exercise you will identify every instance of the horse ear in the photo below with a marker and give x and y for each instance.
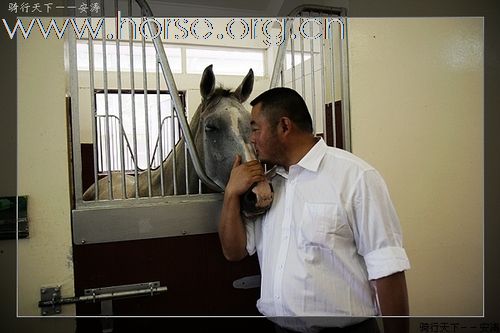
(245, 88)
(207, 84)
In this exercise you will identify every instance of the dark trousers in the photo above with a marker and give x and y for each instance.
(366, 326)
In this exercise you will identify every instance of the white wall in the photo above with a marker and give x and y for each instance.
(45, 258)
(417, 115)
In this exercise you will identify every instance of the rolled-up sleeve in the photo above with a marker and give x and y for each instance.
(376, 227)
(386, 261)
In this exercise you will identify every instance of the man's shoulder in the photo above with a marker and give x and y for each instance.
(340, 158)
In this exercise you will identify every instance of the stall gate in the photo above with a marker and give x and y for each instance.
(172, 240)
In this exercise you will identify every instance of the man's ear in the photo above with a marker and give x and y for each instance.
(285, 125)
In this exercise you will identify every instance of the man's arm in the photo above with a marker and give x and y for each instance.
(232, 231)
(392, 298)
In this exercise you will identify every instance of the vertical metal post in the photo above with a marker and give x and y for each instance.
(313, 81)
(302, 64)
(146, 112)
(106, 103)
(292, 53)
(345, 91)
(76, 146)
(132, 96)
(278, 64)
(93, 112)
(172, 140)
(186, 172)
(100, 149)
(332, 86)
(323, 85)
(159, 122)
(120, 108)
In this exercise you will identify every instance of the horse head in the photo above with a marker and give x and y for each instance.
(222, 126)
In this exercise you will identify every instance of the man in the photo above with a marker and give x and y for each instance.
(330, 247)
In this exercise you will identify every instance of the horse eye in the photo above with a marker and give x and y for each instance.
(210, 128)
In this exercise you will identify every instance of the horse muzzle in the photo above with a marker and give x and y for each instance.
(258, 198)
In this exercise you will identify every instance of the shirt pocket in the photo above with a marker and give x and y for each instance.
(319, 224)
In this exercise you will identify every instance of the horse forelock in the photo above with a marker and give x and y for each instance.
(212, 102)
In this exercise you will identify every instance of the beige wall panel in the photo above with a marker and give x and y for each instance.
(416, 88)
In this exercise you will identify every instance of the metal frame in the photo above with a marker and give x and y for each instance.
(51, 301)
(344, 67)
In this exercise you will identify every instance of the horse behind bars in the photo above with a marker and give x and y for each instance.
(221, 129)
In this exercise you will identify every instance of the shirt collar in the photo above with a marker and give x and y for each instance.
(311, 160)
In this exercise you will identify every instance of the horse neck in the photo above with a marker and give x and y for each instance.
(180, 164)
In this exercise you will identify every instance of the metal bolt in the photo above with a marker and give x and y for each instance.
(184, 232)
(83, 241)
(44, 313)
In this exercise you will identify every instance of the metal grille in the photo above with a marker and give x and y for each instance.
(315, 67)
(313, 61)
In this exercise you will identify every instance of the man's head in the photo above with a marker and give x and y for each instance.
(280, 118)
(284, 102)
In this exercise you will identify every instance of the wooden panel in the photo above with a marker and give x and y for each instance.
(199, 279)
(87, 165)
(339, 130)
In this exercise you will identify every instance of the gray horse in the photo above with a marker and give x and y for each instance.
(221, 129)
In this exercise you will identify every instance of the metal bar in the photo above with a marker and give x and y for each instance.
(332, 86)
(169, 78)
(116, 134)
(302, 64)
(75, 128)
(292, 53)
(113, 145)
(102, 297)
(280, 56)
(132, 96)
(120, 107)
(160, 143)
(146, 112)
(100, 148)
(345, 90)
(172, 144)
(323, 85)
(186, 174)
(106, 104)
(313, 81)
(93, 114)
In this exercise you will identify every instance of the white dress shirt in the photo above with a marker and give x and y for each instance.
(331, 228)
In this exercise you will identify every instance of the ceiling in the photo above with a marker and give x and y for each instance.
(216, 8)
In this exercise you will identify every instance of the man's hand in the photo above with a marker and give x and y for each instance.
(243, 176)
(232, 232)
